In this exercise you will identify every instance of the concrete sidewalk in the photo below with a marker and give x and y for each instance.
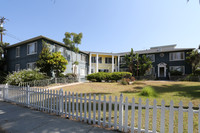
(17, 119)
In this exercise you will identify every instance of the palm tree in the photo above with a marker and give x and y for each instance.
(129, 60)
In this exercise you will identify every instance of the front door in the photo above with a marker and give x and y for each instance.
(162, 72)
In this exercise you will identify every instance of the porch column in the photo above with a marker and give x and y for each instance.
(97, 63)
(118, 63)
(90, 57)
(112, 63)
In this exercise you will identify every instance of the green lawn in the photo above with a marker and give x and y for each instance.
(176, 91)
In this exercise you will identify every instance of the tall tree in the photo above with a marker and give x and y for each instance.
(72, 40)
(129, 60)
(145, 64)
(49, 61)
(137, 65)
(194, 59)
(44, 57)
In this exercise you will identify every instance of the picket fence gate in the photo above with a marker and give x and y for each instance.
(90, 109)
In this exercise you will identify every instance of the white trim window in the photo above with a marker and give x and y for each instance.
(176, 56)
(93, 59)
(83, 57)
(122, 60)
(17, 51)
(52, 48)
(100, 60)
(151, 57)
(178, 68)
(32, 48)
(108, 60)
(31, 65)
(17, 67)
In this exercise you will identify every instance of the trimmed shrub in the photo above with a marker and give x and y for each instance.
(176, 73)
(24, 76)
(148, 91)
(108, 76)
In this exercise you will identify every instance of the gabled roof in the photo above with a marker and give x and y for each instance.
(36, 38)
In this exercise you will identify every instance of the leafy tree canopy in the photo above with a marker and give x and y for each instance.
(72, 40)
(138, 65)
(49, 61)
(194, 59)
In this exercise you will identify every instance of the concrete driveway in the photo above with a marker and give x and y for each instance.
(17, 119)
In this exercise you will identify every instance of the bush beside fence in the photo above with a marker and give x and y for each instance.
(117, 114)
(47, 82)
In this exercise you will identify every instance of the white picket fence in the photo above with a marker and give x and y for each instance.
(106, 113)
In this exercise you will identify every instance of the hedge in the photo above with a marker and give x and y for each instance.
(24, 76)
(108, 76)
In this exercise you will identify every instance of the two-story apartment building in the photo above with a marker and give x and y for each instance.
(23, 55)
(164, 59)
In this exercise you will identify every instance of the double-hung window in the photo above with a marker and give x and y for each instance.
(151, 57)
(83, 57)
(100, 60)
(31, 65)
(32, 48)
(122, 60)
(176, 56)
(17, 51)
(177, 68)
(93, 59)
(108, 60)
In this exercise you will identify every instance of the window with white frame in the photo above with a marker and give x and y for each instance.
(31, 65)
(100, 60)
(83, 57)
(108, 60)
(122, 60)
(17, 51)
(177, 68)
(151, 57)
(93, 59)
(176, 56)
(52, 48)
(32, 48)
(17, 67)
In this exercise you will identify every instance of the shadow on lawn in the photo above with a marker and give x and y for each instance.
(182, 90)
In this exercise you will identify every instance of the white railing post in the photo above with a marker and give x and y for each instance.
(61, 102)
(27, 96)
(121, 108)
(190, 118)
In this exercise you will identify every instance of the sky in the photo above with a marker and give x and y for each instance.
(107, 25)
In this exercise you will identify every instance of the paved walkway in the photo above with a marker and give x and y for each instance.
(60, 86)
(17, 119)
